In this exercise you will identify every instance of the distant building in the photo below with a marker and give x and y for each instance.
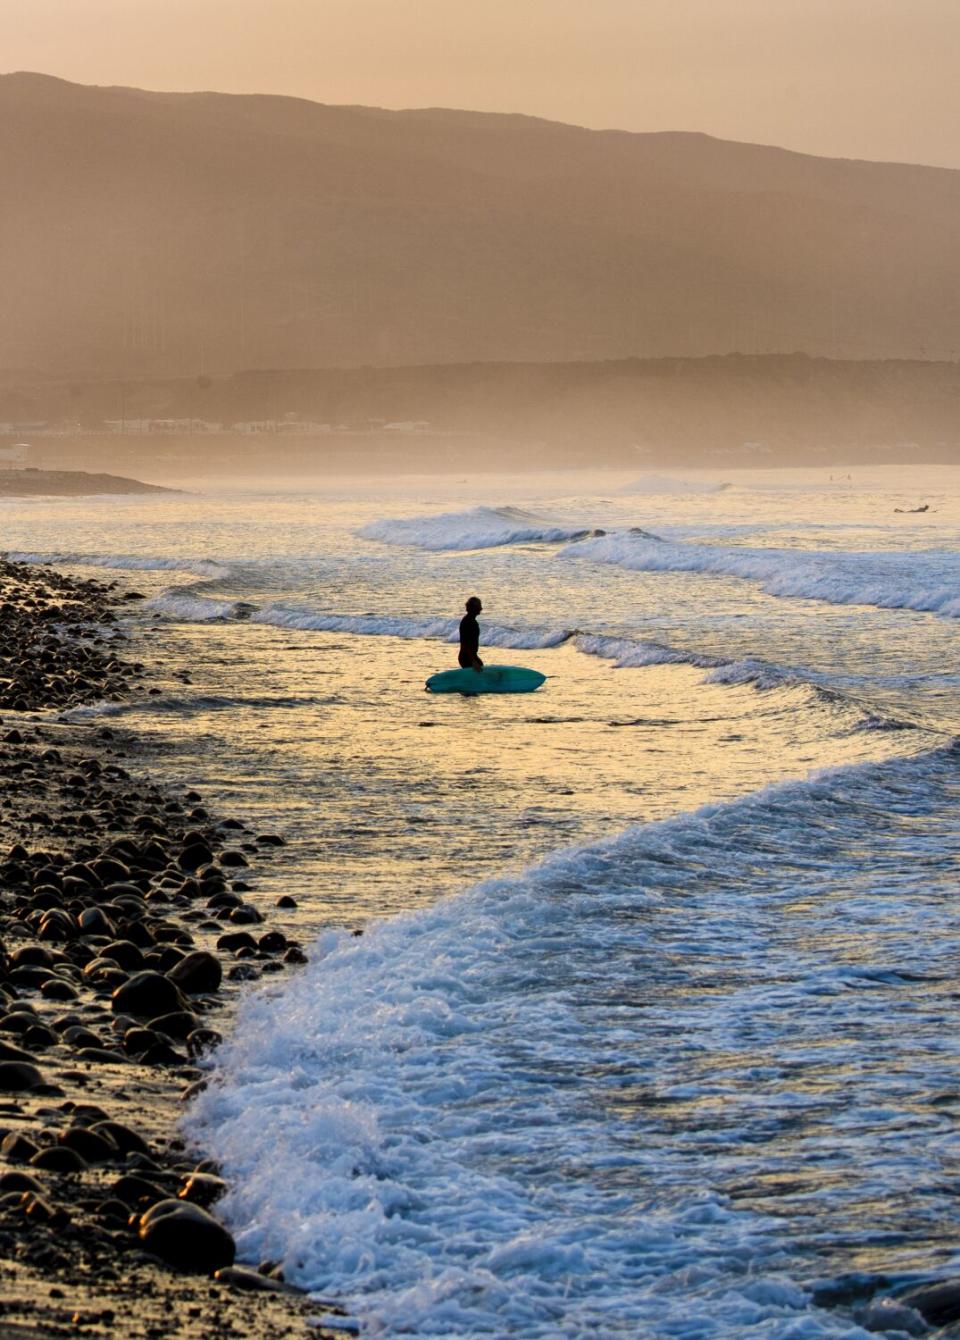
(255, 426)
(18, 454)
(302, 427)
(147, 427)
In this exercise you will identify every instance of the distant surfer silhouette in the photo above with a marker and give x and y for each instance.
(924, 508)
(470, 636)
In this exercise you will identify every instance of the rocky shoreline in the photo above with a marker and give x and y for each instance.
(124, 927)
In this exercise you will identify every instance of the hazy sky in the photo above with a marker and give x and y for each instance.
(855, 78)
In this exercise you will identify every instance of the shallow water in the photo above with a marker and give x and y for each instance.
(700, 1059)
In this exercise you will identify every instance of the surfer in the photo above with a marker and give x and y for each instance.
(470, 636)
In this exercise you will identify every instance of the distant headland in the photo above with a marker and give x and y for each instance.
(35, 483)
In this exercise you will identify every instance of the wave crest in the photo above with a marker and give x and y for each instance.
(197, 567)
(463, 1158)
(926, 582)
(479, 528)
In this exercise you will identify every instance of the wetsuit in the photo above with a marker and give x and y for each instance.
(469, 640)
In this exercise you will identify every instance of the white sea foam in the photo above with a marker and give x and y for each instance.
(388, 625)
(760, 674)
(193, 609)
(199, 567)
(928, 582)
(90, 711)
(479, 528)
(197, 609)
(625, 652)
(364, 625)
(452, 1123)
(628, 653)
(635, 653)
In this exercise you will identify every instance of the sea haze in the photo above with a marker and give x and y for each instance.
(651, 1026)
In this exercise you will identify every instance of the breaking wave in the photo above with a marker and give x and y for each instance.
(624, 652)
(198, 567)
(632, 653)
(194, 609)
(480, 528)
(533, 1108)
(927, 582)
(386, 625)
(197, 609)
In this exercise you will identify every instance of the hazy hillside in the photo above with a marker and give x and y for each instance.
(781, 409)
(173, 234)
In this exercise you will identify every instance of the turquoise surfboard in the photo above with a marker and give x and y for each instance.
(491, 679)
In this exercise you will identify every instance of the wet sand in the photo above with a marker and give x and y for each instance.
(128, 927)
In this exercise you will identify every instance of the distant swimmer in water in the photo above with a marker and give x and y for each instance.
(924, 507)
(470, 636)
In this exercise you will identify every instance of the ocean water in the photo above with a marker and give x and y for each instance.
(651, 1029)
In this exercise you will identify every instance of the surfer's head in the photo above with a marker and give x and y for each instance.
(474, 605)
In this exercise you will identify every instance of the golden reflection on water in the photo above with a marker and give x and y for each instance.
(393, 796)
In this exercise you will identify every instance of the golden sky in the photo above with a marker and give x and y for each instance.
(852, 78)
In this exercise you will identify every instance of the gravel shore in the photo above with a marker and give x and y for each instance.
(125, 927)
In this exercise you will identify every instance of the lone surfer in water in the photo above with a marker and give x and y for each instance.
(470, 636)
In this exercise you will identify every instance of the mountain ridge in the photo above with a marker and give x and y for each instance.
(465, 114)
(152, 233)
